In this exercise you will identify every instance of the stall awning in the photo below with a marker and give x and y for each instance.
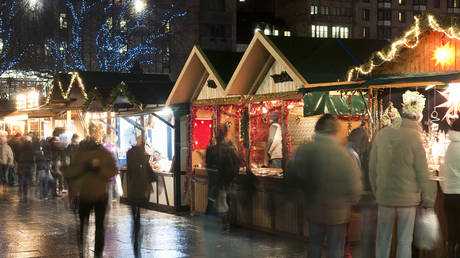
(434, 77)
(332, 87)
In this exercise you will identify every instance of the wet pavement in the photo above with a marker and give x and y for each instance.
(49, 229)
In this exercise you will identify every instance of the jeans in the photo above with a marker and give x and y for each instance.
(84, 210)
(44, 178)
(385, 223)
(369, 231)
(4, 173)
(137, 230)
(27, 173)
(275, 163)
(335, 240)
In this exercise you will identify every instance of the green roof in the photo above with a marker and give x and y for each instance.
(224, 62)
(326, 60)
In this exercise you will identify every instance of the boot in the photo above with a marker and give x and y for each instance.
(450, 247)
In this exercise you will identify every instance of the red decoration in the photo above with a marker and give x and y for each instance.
(202, 133)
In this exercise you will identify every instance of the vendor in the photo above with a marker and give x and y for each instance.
(274, 142)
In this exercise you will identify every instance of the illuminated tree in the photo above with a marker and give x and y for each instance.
(12, 50)
(132, 34)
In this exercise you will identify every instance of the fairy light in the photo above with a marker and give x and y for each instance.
(410, 39)
(65, 95)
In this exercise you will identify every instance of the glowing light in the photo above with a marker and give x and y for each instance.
(452, 96)
(429, 87)
(21, 101)
(139, 6)
(444, 55)
(264, 110)
(409, 40)
(33, 99)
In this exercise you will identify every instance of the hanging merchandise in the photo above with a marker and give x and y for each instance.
(391, 116)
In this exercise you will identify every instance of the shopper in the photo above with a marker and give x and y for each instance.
(450, 170)
(330, 183)
(358, 147)
(399, 179)
(139, 187)
(26, 165)
(57, 161)
(70, 150)
(43, 171)
(90, 169)
(222, 163)
(274, 142)
(6, 161)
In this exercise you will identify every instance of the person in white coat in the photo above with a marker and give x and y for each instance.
(6, 161)
(275, 142)
(450, 186)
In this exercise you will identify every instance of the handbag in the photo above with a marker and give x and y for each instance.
(427, 234)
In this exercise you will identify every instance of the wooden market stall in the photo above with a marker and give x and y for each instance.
(269, 76)
(424, 64)
(201, 86)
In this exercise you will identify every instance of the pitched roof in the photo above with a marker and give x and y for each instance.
(326, 59)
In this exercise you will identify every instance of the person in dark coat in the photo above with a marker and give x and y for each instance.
(139, 187)
(222, 164)
(26, 163)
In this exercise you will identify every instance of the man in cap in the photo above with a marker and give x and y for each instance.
(275, 142)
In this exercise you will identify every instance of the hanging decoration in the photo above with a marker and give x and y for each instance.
(93, 95)
(391, 116)
(281, 77)
(452, 103)
(444, 55)
(122, 90)
(410, 39)
(65, 95)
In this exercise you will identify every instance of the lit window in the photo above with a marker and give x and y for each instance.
(123, 49)
(267, 31)
(276, 32)
(287, 33)
(63, 46)
(109, 23)
(314, 10)
(62, 21)
(318, 31)
(256, 30)
(167, 26)
(1, 45)
(242, 1)
(340, 32)
(46, 48)
(365, 32)
(123, 25)
(401, 17)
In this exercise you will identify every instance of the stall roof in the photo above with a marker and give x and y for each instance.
(198, 66)
(326, 59)
(310, 60)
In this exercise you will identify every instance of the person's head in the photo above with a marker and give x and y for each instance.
(274, 117)
(410, 115)
(139, 140)
(27, 139)
(456, 125)
(327, 124)
(359, 138)
(75, 139)
(3, 139)
(95, 132)
(222, 132)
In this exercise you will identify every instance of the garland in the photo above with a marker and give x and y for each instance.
(188, 164)
(94, 94)
(244, 128)
(122, 90)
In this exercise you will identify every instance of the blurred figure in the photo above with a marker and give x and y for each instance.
(70, 150)
(274, 142)
(450, 170)
(57, 151)
(43, 171)
(331, 184)
(90, 168)
(110, 144)
(26, 166)
(398, 173)
(139, 187)
(358, 147)
(6, 162)
(222, 165)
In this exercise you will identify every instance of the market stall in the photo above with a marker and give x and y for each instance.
(269, 76)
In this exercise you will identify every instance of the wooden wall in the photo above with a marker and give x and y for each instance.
(421, 58)
(269, 86)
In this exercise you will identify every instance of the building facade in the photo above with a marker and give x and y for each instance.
(373, 19)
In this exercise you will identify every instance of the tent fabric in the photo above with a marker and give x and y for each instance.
(317, 103)
(326, 59)
(444, 77)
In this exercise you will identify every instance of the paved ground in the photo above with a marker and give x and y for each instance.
(48, 229)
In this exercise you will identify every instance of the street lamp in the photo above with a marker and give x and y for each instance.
(139, 6)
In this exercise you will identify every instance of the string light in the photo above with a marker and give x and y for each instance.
(66, 94)
(409, 40)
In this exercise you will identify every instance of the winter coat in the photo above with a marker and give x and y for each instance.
(398, 168)
(26, 153)
(90, 168)
(450, 170)
(6, 155)
(140, 175)
(329, 179)
(222, 164)
(367, 198)
(275, 142)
